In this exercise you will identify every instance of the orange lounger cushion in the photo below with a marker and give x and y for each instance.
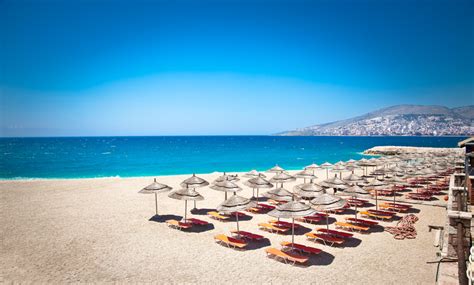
(217, 216)
(179, 225)
(288, 258)
(352, 227)
(248, 235)
(273, 228)
(325, 238)
(334, 233)
(301, 247)
(371, 215)
(230, 241)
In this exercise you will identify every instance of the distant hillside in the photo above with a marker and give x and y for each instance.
(398, 120)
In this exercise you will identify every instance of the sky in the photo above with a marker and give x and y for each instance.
(227, 67)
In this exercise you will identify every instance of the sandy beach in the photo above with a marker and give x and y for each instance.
(102, 230)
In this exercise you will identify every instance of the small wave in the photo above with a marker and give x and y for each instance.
(299, 158)
(107, 152)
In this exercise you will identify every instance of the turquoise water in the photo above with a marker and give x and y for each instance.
(81, 157)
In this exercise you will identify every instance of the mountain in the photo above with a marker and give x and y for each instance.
(399, 120)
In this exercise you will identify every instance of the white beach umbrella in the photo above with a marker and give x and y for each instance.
(194, 182)
(226, 186)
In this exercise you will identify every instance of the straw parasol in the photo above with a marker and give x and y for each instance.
(234, 204)
(308, 190)
(291, 210)
(282, 177)
(279, 194)
(276, 169)
(353, 179)
(155, 188)
(254, 173)
(194, 182)
(306, 174)
(186, 194)
(327, 202)
(355, 192)
(395, 180)
(226, 186)
(258, 182)
(339, 168)
(312, 167)
(334, 182)
(224, 177)
(326, 166)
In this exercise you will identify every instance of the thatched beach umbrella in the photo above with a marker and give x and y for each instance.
(156, 188)
(306, 174)
(257, 183)
(326, 166)
(186, 194)
(279, 194)
(312, 167)
(276, 169)
(355, 192)
(335, 183)
(226, 186)
(308, 190)
(194, 182)
(226, 177)
(233, 204)
(254, 173)
(339, 169)
(282, 177)
(327, 202)
(395, 180)
(291, 210)
(354, 179)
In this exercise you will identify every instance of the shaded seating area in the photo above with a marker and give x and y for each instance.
(216, 216)
(247, 235)
(197, 222)
(352, 227)
(230, 241)
(273, 229)
(288, 246)
(376, 216)
(326, 239)
(179, 225)
(287, 257)
(362, 222)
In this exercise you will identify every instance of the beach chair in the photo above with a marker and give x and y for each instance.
(179, 225)
(197, 222)
(299, 247)
(311, 219)
(361, 222)
(325, 238)
(248, 235)
(272, 228)
(283, 224)
(230, 241)
(217, 216)
(340, 234)
(375, 216)
(393, 208)
(351, 227)
(288, 258)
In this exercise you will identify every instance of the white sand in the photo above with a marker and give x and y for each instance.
(98, 230)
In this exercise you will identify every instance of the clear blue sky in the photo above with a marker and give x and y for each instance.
(225, 67)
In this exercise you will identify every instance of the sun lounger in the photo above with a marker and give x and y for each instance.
(283, 224)
(217, 216)
(417, 196)
(311, 219)
(361, 222)
(300, 247)
(265, 206)
(197, 222)
(335, 233)
(241, 215)
(393, 208)
(398, 205)
(375, 216)
(230, 241)
(272, 228)
(355, 203)
(179, 225)
(288, 258)
(380, 212)
(351, 227)
(248, 235)
(325, 238)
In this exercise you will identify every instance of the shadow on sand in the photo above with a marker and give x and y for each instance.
(164, 218)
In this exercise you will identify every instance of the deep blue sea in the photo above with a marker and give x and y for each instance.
(81, 157)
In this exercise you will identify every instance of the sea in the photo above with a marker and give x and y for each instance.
(93, 157)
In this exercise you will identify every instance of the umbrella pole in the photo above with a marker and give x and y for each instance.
(376, 200)
(292, 233)
(185, 209)
(327, 221)
(156, 203)
(225, 195)
(237, 219)
(327, 173)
